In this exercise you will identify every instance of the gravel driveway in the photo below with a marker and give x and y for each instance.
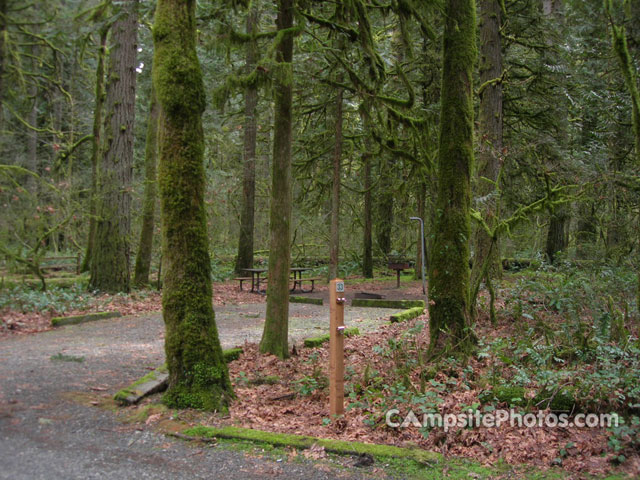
(46, 433)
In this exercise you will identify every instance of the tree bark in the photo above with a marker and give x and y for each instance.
(3, 32)
(630, 75)
(557, 234)
(367, 256)
(421, 195)
(198, 375)
(276, 327)
(247, 220)
(384, 220)
(110, 265)
(560, 218)
(32, 142)
(449, 319)
(486, 260)
(334, 239)
(95, 148)
(145, 246)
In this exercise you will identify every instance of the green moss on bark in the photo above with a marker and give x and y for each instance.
(449, 276)
(198, 376)
(110, 263)
(143, 258)
(276, 327)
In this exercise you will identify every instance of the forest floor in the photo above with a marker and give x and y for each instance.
(58, 419)
(291, 396)
(18, 316)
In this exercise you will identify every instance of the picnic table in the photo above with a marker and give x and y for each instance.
(296, 278)
(255, 278)
(296, 273)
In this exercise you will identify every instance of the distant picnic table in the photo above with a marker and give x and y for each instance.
(257, 280)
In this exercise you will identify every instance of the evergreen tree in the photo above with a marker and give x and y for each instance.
(145, 245)
(276, 327)
(198, 375)
(110, 265)
(449, 321)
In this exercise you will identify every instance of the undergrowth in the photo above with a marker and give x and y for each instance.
(54, 300)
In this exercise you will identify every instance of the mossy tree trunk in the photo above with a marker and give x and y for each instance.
(630, 75)
(557, 234)
(367, 256)
(449, 319)
(3, 33)
(557, 239)
(486, 260)
(110, 263)
(334, 236)
(367, 233)
(198, 376)
(421, 194)
(587, 224)
(247, 215)
(384, 210)
(145, 246)
(276, 328)
(95, 148)
(32, 141)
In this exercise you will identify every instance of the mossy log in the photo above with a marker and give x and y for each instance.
(303, 442)
(314, 342)
(308, 300)
(156, 381)
(375, 303)
(89, 317)
(406, 314)
(152, 382)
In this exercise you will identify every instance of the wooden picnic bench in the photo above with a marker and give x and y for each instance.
(258, 281)
(299, 281)
(241, 280)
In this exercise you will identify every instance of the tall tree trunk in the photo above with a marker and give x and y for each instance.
(587, 226)
(32, 142)
(449, 320)
(367, 255)
(334, 239)
(486, 260)
(557, 234)
(245, 240)
(276, 326)
(421, 195)
(384, 220)
(198, 375)
(95, 148)
(145, 246)
(3, 32)
(560, 218)
(630, 75)
(110, 265)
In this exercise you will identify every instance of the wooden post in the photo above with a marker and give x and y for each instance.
(336, 347)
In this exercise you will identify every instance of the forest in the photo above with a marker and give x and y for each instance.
(155, 154)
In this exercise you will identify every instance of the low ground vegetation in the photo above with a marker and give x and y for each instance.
(565, 340)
